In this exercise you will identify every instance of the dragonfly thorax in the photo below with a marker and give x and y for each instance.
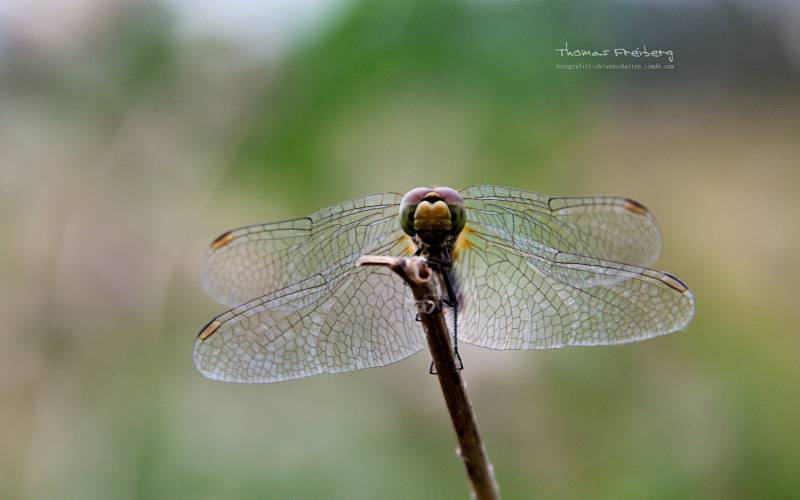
(432, 216)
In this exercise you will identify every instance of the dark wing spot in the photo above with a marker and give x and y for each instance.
(673, 282)
(222, 240)
(209, 329)
(635, 207)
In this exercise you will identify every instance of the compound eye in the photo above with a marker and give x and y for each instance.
(449, 195)
(408, 205)
(415, 196)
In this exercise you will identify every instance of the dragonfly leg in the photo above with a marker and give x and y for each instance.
(452, 301)
(459, 365)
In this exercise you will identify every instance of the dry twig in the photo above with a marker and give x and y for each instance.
(421, 279)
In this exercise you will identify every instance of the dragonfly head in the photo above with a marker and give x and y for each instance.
(432, 214)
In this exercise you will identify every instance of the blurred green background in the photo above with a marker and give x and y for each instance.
(132, 133)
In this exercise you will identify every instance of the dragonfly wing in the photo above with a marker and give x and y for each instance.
(331, 322)
(512, 298)
(247, 262)
(608, 228)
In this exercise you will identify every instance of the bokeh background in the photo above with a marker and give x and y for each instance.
(132, 133)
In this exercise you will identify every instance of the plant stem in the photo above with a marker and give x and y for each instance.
(420, 278)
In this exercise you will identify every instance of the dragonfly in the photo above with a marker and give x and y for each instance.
(523, 271)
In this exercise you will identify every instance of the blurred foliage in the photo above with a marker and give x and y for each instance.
(493, 60)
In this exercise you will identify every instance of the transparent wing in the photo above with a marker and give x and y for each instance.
(608, 228)
(340, 320)
(514, 298)
(247, 262)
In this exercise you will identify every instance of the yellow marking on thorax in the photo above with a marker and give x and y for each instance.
(222, 240)
(410, 248)
(462, 243)
(209, 330)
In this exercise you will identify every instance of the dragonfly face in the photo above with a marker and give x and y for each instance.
(532, 272)
(432, 215)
